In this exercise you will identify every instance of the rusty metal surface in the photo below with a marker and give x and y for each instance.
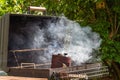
(76, 68)
(27, 50)
(87, 73)
(5, 26)
(46, 73)
(38, 73)
(60, 61)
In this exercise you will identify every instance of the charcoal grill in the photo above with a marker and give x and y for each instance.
(12, 23)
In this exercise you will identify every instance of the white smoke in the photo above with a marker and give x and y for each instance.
(56, 35)
(69, 37)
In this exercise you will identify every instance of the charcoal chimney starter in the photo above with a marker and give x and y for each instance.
(60, 60)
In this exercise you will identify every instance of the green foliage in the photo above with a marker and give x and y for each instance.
(16, 6)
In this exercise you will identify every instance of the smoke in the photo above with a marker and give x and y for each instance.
(58, 35)
(79, 42)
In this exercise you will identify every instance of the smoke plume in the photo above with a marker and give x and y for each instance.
(58, 35)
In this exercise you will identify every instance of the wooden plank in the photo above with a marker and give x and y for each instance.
(20, 78)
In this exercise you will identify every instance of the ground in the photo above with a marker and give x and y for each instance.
(20, 78)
